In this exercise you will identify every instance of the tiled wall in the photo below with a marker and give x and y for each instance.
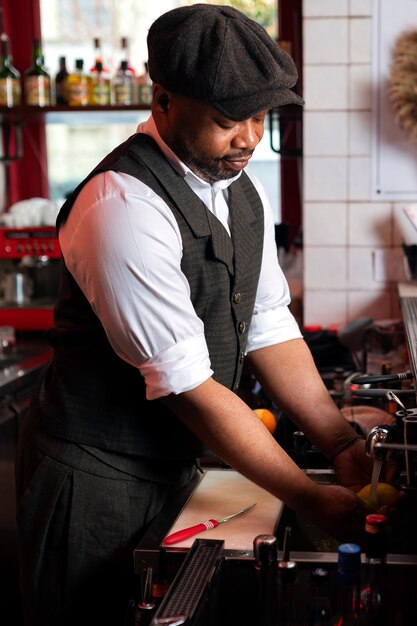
(343, 226)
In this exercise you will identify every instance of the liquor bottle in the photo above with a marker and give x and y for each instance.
(10, 91)
(348, 611)
(60, 82)
(373, 595)
(125, 55)
(123, 85)
(78, 86)
(288, 602)
(37, 82)
(98, 58)
(144, 87)
(319, 608)
(100, 87)
(265, 553)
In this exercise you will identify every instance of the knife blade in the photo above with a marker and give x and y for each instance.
(185, 533)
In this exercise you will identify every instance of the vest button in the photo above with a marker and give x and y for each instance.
(237, 297)
(242, 357)
(236, 387)
(242, 327)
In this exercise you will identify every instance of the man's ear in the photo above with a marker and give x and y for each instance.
(161, 98)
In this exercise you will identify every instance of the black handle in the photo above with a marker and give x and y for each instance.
(383, 378)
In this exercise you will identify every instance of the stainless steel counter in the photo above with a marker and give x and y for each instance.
(21, 366)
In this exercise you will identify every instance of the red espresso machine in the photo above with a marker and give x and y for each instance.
(29, 276)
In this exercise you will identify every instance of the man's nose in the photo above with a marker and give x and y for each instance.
(248, 135)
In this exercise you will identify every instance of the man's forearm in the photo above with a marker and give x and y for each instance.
(289, 376)
(232, 431)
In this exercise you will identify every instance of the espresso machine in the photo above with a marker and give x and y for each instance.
(29, 277)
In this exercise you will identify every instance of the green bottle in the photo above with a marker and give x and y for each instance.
(37, 81)
(10, 92)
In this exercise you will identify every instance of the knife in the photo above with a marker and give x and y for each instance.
(185, 533)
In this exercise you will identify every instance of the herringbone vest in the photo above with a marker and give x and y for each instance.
(92, 396)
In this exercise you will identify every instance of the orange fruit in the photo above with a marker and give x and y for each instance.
(386, 495)
(268, 418)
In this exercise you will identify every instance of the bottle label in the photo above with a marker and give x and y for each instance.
(78, 93)
(101, 93)
(145, 94)
(123, 94)
(37, 91)
(9, 92)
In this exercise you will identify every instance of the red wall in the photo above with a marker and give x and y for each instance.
(27, 177)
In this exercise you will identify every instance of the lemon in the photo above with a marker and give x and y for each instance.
(386, 495)
(268, 418)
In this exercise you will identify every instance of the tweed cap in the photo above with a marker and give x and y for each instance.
(217, 54)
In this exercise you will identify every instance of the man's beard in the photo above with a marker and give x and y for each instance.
(211, 170)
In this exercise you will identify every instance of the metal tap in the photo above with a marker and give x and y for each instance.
(380, 439)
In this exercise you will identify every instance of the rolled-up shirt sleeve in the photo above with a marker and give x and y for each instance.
(123, 247)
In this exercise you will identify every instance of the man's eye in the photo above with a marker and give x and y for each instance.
(225, 125)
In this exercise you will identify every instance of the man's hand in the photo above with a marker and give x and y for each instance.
(354, 469)
(339, 512)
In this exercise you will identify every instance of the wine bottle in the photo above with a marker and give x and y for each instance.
(10, 91)
(37, 81)
(60, 82)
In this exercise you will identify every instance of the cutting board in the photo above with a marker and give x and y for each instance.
(221, 493)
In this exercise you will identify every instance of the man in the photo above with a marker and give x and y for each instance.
(170, 280)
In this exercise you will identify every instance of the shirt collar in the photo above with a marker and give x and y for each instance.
(149, 128)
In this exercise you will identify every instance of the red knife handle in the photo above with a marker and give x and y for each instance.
(182, 535)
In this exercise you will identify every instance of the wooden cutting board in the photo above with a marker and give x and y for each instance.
(221, 493)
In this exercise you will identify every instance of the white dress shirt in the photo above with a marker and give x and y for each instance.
(122, 244)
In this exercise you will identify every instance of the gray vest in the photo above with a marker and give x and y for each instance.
(90, 395)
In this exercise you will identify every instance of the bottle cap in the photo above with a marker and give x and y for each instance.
(79, 64)
(375, 523)
(123, 65)
(349, 563)
(376, 530)
(319, 576)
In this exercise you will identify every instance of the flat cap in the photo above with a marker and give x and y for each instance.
(217, 54)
